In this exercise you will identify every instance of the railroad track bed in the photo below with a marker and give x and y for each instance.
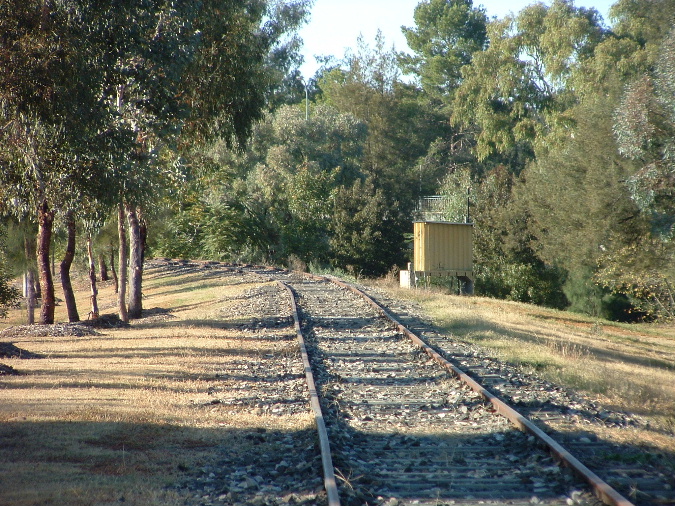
(594, 434)
(402, 430)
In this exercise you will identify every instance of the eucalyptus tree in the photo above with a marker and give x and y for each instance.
(179, 75)
(66, 263)
(82, 119)
(645, 130)
(284, 58)
(144, 49)
(77, 117)
(237, 59)
(50, 111)
(244, 48)
(647, 23)
(511, 90)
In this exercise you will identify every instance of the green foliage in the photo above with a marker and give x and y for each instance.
(446, 36)
(330, 139)
(578, 203)
(361, 240)
(505, 265)
(8, 294)
(648, 23)
(515, 280)
(511, 88)
(644, 129)
(645, 132)
(587, 296)
(642, 271)
(243, 49)
(399, 127)
(284, 57)
(273, 200)
(42, 144)
(180, 234)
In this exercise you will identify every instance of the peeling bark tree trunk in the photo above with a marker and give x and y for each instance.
(29, 285)
(102, 268)
(45, 223)
(135, 264)
(122, 293)
(112, 268)
(30, 298)
(92, 280)
(68, 294)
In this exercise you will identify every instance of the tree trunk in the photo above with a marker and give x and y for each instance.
(92, 280)
(143, 230)
(45, 224)
(36, 286)
(29, 285)
(122, 294)
(30, 298)
(135, 264)
(102, 268)
(112, 268)
(68, 294)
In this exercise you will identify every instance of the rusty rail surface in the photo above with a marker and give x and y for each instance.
(328, 470)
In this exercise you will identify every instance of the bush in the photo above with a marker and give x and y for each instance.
(587, 297)
(521, 282)
(9, 295)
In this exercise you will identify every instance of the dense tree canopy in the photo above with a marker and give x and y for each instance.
(191, 119)
(513, 87)
(88, 126)
(447, 35)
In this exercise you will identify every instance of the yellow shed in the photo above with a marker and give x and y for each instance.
(443, 249)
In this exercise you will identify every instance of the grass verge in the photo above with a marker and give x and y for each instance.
(625, 367)
(128, 414)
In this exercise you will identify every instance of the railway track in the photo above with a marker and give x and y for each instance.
(403, 430)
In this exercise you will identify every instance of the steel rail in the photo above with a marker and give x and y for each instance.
(327, 461)
(602, 490)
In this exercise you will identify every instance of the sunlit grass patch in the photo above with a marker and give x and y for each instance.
(124, 415)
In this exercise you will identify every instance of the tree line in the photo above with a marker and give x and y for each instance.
(558, 124)
(102, 105)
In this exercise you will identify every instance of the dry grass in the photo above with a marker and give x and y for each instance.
(629, 368)
(125, 415)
